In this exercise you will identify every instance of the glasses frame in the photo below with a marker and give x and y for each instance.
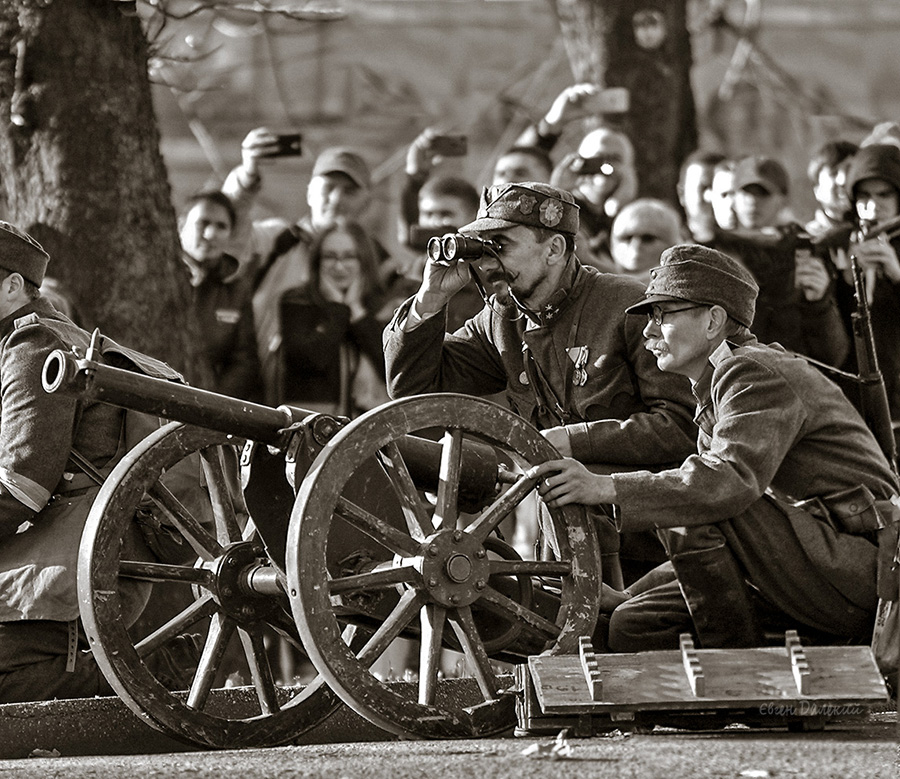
(658, 315)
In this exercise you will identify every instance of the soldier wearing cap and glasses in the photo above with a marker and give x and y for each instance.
(553, 336)
(774, 524)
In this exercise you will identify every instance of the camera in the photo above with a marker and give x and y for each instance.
(454, 247)
(590, 166)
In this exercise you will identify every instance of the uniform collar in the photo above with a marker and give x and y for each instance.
(559, 301)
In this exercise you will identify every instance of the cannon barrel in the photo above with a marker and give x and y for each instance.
(66, 373)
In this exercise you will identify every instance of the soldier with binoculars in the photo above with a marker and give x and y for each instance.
(552, 336)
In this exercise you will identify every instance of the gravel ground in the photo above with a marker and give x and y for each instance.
(866, 750)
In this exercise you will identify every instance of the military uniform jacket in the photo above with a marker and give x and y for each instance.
(583, 365)
(778, 444)
(43, 501)
(768, 421)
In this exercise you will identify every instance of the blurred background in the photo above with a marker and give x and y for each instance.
(374, 73)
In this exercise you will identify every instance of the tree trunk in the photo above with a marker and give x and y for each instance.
(603, 49)
(83, 173)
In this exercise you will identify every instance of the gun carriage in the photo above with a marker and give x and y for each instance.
(359, 533)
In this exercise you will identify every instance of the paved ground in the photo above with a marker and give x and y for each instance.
(866, 750)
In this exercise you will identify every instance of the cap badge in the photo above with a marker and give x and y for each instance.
(527, 203)
(551, 213)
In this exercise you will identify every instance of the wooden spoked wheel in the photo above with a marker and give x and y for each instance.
(422, 570)
(221, 585)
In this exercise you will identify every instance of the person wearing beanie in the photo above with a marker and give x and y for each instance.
(873, 186)
(552, 336)
(772, 524)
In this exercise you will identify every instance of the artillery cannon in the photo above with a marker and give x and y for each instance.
(359, 533)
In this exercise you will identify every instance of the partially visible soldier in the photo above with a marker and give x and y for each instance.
(44, 498)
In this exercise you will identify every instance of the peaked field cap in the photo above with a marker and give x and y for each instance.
(767, 172)
(20, 253)
(340, 159)
(530, 203)
(702, 275)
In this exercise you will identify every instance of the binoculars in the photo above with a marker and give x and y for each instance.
(454, 247)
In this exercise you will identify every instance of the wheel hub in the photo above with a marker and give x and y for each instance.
(231, 571)
(454, 568)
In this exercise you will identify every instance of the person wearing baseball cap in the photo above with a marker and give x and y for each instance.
(757, 524)
(797, 304)
(552, 336)
(275, 251)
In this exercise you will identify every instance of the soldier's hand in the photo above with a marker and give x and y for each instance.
(561, 482)
(440, 282)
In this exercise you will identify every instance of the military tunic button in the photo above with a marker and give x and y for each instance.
(523, 378)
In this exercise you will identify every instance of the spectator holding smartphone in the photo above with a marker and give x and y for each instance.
(279, 250)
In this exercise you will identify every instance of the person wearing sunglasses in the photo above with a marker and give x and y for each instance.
(774, 523)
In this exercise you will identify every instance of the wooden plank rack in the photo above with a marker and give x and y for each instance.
(791, 686)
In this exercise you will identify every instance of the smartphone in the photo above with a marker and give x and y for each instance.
(449, 145)
(286, 145)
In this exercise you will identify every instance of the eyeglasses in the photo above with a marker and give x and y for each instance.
(657, 315)
(333, 259)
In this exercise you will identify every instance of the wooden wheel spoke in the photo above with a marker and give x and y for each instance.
(446, 513)
(432, 620)
(374, 580)
(417, 520)
(530, 568)
(494, 514)
(199, 609)
(220, 631)
(260, 671)
(467, 633)
(163, 572)
(227, 527)
(377, 529)
(200, 539)
(403, 613)
(506, 607)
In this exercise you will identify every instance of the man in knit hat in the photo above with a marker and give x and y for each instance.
(44, 497)
(553, 336)
(773, 524)
(873, 186)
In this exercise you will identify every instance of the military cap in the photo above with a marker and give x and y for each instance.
(20, 253)
(701, 275)
(762, 171)
(339, 159)
(531, 203)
